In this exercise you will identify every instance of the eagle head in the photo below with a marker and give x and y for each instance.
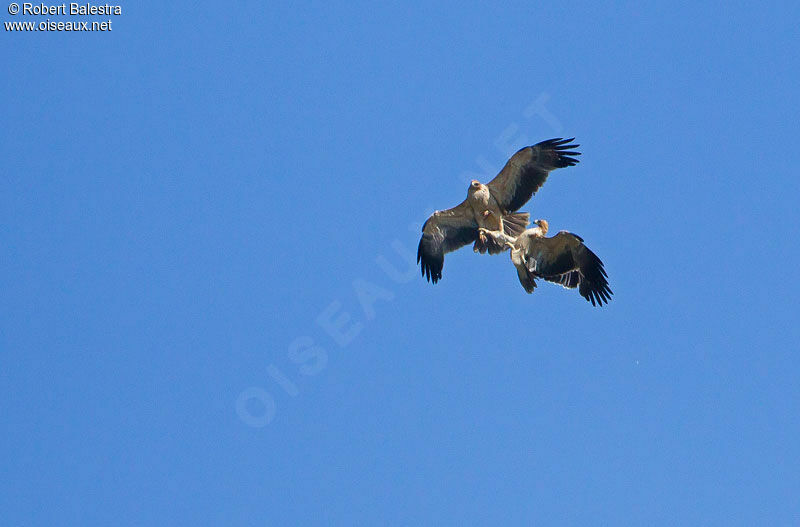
(542, 225)
(476, 186)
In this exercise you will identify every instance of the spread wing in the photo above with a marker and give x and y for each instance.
(527, 171)
(444, 232)
(565, 260)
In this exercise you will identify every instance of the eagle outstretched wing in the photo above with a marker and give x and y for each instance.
(527, 171)
(443, 232)
(565, 260)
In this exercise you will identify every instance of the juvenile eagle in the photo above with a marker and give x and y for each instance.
(492, 207)
(562, 259)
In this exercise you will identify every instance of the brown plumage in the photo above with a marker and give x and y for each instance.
(492, 206)
(562, 259)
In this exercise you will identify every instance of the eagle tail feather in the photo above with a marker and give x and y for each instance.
(515, 224)
(526, 279)
(490, 245)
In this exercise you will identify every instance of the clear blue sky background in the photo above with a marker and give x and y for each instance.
(183, 198)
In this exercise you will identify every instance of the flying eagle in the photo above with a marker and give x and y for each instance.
(562, 259)
(492, 207)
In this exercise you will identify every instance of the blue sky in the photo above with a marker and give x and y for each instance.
(210, 313)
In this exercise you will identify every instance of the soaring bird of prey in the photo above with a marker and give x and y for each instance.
(562, 259)
(492, 207)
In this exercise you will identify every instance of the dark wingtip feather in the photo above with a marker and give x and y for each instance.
(594, 284)
(564, 150)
